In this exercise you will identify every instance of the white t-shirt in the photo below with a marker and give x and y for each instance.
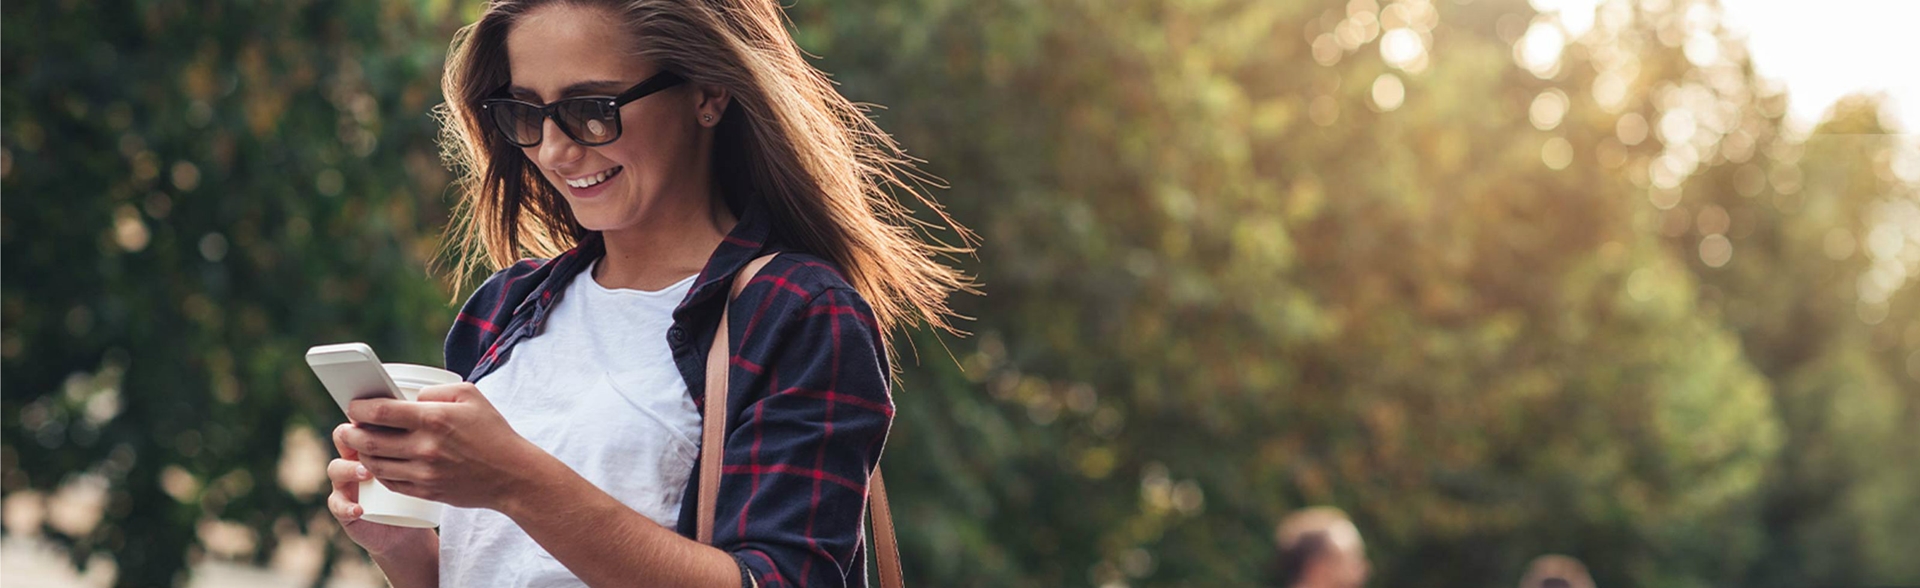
(597, 388)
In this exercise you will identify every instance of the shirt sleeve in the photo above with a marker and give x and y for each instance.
(483, 317)
(794, 487)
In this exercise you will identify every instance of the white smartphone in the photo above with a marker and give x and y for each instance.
(351, 371)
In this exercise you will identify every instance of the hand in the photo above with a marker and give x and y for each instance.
(449, 446)
(346, 474)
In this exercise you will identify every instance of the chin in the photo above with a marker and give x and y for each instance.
(595, 223)
(593, 215)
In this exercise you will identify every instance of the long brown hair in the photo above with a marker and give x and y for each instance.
(826, 172)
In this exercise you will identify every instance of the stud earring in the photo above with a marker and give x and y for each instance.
(706, 118)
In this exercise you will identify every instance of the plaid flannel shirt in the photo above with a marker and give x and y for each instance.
(809, 404)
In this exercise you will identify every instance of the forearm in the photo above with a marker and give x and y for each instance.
(605, 543)
(415, 566)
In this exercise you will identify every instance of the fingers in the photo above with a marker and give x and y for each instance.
(340, 442)
(404, 477)
(376, 441)
(391, 471)
(386, 412)
(345, 510)
(344, 472)
(459, 392)
(346, 476)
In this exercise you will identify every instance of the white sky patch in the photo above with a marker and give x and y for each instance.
(1829, 49)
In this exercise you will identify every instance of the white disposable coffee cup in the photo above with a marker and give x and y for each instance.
(385, 506)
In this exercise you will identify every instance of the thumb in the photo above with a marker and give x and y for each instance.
(461, 392)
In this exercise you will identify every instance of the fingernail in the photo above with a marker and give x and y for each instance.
(360, 472)
(357, 511)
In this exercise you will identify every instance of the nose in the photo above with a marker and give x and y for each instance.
(555, 148)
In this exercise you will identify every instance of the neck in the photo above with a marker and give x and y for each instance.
(669, 244)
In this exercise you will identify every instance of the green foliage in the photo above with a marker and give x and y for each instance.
(195, 195)
(1229, 274)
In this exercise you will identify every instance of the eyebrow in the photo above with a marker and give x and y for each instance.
(586, 88)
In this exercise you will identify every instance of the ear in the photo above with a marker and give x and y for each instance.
(713, 101)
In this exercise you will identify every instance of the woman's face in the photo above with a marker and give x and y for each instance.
(562, 51)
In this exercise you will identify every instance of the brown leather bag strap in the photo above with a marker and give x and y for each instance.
(885, 548)
(713, 426)
(713, 439)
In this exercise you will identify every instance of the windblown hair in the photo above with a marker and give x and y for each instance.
(825, 171)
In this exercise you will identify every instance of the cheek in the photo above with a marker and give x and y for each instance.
(533, 160)
(655, 134)
(623, 153)
(640, 148)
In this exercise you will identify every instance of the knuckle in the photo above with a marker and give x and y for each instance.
(434, 420)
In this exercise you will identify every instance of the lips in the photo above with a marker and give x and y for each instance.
(595, 179)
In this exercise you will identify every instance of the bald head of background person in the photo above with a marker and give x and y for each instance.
(1556, 571)
(1319, 547)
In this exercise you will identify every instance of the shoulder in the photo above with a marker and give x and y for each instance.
(486, 313)
(519, 278)
(802, 275)
(811, 327)
(804, 290)
(501, 295)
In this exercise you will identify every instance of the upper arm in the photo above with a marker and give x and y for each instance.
(794, 485)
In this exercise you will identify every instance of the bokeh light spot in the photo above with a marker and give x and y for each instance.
(1388, 92)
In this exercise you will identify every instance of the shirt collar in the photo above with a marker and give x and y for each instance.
(748, 239)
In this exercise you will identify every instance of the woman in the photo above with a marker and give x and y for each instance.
(647, 150)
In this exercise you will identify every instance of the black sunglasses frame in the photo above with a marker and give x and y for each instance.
(649, 86)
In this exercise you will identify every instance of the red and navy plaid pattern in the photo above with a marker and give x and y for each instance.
(809, 405)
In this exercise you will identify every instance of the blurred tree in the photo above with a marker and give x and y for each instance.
(1817, 290)
(1409, 258)
(197, 192)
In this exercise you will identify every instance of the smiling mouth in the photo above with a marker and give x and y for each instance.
(596, 179)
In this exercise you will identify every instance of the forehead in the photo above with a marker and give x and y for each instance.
(557, 45)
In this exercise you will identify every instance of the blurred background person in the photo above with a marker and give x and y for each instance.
(1319, 547)
(1556, 571)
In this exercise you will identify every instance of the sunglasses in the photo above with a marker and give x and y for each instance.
(589, 120)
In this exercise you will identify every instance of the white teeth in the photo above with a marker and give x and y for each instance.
(591, 181)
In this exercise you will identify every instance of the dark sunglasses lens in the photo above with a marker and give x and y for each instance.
(520, 123)
(592, 121)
